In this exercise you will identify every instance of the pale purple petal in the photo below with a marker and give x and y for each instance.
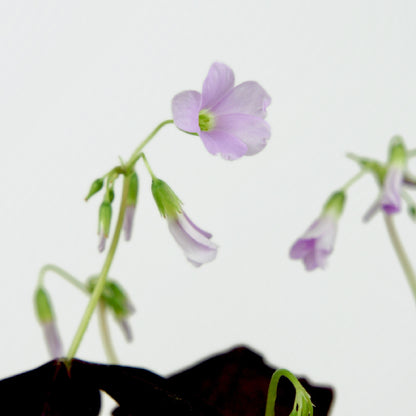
(101, 242)
(246, 98)
(185, 109)
(252, 130)
(229, 146)
(53, 341)
(219, 81)
(372, 210)
(390, 199)
(199, 230)
(197, 247)
(128, 221)
(126, 329)
(317, 243)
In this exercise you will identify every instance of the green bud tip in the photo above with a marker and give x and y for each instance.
(167, 201)
(133, 190)
(397, 154)
(43, 306)
(104, 218)
(95, 187)
(335, 204)
(206, 120)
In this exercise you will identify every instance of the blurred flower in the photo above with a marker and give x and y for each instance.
(317, 243)
(390, 199)
(104, 222)
(229, 120)
(195, 243)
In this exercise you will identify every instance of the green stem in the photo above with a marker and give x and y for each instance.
(136, 153)
(99, 287)
(105, 334)
(401, 254)
(354, 179)
(272, 392)
(149, 169)
(60, 272)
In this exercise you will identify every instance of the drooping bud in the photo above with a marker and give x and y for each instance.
(131, 205)
(166, 200)
(116, 299)
(46, 318)
(104, 222)
(96, 186)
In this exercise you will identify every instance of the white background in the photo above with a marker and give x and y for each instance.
(81, 83)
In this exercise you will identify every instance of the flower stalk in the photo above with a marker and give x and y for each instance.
(103, 275)
(401, 254)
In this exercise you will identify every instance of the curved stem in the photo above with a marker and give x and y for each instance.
(62, 273)
(99, 287)
(105, 334)
(137, 152)
(272, 392)
(401, 254)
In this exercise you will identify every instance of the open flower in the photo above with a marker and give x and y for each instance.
(195, 243)
(317, 243)
(390, 200)
(229, 120)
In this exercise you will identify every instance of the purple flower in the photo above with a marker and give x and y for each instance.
(389, 200)
(53, 341)
(128, 221)
(195, 243)
(229, 120)
(317, 243)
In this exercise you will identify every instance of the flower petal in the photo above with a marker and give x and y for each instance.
(196, 246)
(53, 339)
(229, 146)
(252, 130)
(219, 81)
(301, 248)
(247, 98)
(199, 230)
(185, 110)
(390, 198)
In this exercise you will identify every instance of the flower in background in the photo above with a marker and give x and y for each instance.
(130, 205)
(229, 120)
(317, 243)
(195, 243)
(47, 320)
(390, 200)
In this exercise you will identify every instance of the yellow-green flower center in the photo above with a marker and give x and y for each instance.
(206, 120)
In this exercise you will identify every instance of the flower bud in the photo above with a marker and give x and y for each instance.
(166, 200)
(46, 318)
(104, 222)
(398, 154)
(96, 186)
(131, 205)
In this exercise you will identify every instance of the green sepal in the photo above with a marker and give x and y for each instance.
(104, 218)
(397, 154)
(109, 195)
(133, 190)
(114, 297)
(96, 186)
(167, 201)
(43, 306)
(335, 203)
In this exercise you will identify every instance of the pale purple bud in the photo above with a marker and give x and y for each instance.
(53, 341)
(317, 243)
(195, 243)
(229, 119)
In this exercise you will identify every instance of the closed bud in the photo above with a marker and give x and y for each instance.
(96, 186)
(131, 205)
(43, 306)
(104, 222)
(168, 203)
